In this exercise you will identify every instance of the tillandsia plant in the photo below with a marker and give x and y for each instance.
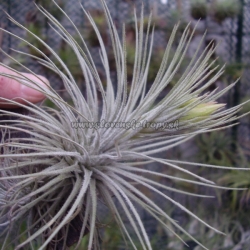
(79, 155)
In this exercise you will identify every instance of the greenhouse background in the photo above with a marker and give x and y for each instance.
(232, 35)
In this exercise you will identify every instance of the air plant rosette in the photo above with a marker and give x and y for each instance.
(156, 22)
(36, 29)
(89, 152)
(99, 19)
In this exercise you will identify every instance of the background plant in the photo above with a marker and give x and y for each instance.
(220, 10)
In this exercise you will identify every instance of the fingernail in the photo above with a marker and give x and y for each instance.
(33, 93)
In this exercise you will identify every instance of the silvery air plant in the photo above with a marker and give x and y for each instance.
(55, 180)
